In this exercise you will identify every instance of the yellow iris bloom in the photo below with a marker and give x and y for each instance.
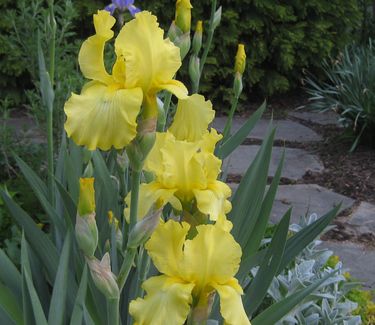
(184, 166)
(105, 113)
(193, 270)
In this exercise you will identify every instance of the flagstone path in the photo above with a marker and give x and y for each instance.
(356, 219)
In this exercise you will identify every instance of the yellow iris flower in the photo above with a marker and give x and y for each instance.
(192, 271)
(184, 166)
(105, 113)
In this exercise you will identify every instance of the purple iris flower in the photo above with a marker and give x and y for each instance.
(122, 6)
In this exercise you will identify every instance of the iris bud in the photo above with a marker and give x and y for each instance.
(183, 42)
(197, 39)
(217, 18)
(144, 228)
(103, 277)
(86, 230)
(86, 201)
(237, 84)
(183, 15)
(240, 61)
(194, 68)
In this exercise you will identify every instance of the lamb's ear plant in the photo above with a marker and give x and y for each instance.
(140, 228)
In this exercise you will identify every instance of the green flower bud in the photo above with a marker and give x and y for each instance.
(194, 68)
(86, 233)
(119, 238)
(144, 228)
(174, 32)
(183, 15)
(86, 201)
(197, 39)
(240, 61)
(89, 170)
(183, 42)
(217, 18)
(103, 277)
(237, 84)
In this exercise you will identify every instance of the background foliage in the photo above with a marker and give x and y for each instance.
(282, 39)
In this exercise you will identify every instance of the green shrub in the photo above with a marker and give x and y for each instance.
(281, 38)
(350, 91)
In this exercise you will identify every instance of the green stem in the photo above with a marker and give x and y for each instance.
(52, 43)
(228, 125)
(50, 155)
(136, 178)
(166, 107)
(143, 267)
(211, 31)
(113, 315)
(125, 267)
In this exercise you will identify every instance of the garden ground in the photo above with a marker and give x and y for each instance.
(318, 173)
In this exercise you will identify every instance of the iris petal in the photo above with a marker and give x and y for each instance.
(165, 246)
(192, 118)
(212, 256)
(90, 56)
(167, 302)
(103, 117)
(231, 307)
(151, 60)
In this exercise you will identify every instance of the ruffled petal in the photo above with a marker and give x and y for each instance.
(209, 140)
(176, 87)
(192, 118)
(167, 302)
(231, 307)
(90, 56)
(165, 246)
(213, 200)
(181, 168)
(150, 60)
(150, 194)
(102, 117)
(154, 160)
(212, 256)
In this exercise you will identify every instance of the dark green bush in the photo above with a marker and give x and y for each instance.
(282, 38)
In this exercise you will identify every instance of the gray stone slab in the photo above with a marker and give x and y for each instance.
(297, 161)
(306, 199)
(286, 130)
(363, 219)
(357, 259)
(324, 118)
(25, 128)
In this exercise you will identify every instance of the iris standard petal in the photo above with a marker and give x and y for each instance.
(150, 194)
(154, 160)
(231, 307)
(212, 256)
(181, 169)
(165, 246)
(167, 302)
(103, 117)
(90, 56)
(214, 199)
(150, 59)
(192, 118)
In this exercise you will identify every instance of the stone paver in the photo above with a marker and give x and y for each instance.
(26, 128)
(325, 118)
(297, 161)
(363, 219)
(286, 130)
(306, 199)
(357, 259)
